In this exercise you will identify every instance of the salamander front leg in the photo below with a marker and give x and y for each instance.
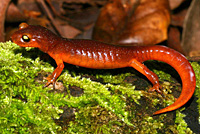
(53, 77)
(149, 74)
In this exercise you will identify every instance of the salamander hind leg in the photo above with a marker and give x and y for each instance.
(152, 77)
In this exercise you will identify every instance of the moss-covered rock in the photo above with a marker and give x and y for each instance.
(108, 101)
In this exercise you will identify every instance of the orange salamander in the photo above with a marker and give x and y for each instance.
(99, 55)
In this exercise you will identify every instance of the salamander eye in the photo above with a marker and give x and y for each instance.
(25, 38)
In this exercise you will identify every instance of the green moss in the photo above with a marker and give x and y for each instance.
(114, 79)
(22, 109)
(95, 92)
(110, 106)
(95, 119)
(196, 67)
(181, 124)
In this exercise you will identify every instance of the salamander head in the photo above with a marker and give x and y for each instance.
(34, 36)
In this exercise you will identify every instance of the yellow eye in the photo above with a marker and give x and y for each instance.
(25, 38)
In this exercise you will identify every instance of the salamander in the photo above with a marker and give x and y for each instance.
(99, 55)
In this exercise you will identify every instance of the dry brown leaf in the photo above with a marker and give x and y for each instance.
(77, 12)
(3, 8)
(174, 39)
(14, 14)
(111, 20)
(33, 14)
(178, 18)
(191, 30)
(133, 22)
(22, 11)
(175, 3)
(69, 31)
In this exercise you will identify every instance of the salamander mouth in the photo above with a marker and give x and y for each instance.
(22, 45)
(19, 43)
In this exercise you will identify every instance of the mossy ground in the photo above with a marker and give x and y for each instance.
(85, 100)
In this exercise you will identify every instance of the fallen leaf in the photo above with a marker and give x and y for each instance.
(177, 19)
(3, 8)
(133, 22)
(191, 30)
(69, 31)
(14, 14)
(174, 39)
(175, 3)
